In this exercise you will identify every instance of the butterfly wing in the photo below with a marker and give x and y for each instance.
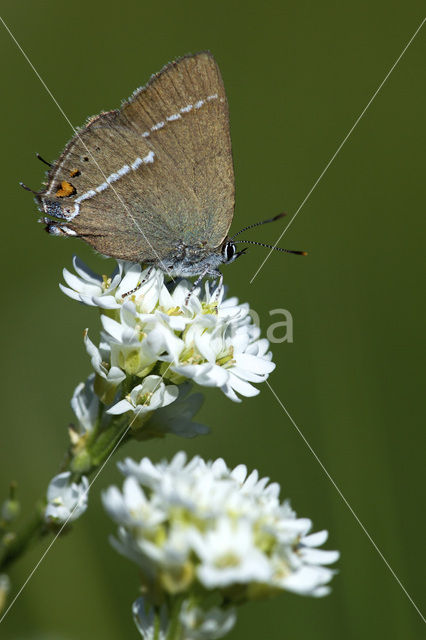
(138, 182)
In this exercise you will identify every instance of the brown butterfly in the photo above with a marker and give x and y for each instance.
(153, 181)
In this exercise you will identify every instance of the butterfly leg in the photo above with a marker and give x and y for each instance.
(147, 277)
(195, 285)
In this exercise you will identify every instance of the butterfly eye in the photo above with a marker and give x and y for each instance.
(229, 251)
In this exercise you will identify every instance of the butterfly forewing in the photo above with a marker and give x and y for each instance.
(139, 182)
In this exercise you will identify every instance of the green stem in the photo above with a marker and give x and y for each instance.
(174, 632)
(111, 437)
(16, 545)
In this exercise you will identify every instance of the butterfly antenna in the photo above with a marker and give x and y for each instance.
(257, 224)
(24, 186)
(270, 246)
(49, 164)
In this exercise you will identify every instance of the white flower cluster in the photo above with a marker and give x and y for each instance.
(150, 328)
(197, 527)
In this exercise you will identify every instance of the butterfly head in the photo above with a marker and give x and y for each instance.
(229, 252)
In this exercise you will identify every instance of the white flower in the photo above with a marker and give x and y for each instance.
(136, 342)
(211, 624)
(194, 526)
(145, 620)
(197, 336)
(112, 375)
(66, 501)
(219, 354)
(100, 291)
(308, 575)
(152, 394)
(132, 507)
(228, 555)
(85, 405)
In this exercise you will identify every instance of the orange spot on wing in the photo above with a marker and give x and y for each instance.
(74, 173)
(65, 189)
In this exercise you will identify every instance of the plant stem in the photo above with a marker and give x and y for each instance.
(18, 544)
(107, 441)
(174, 632)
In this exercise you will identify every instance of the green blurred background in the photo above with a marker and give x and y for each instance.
(297, 75)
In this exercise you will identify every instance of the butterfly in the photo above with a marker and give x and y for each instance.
(153, 181)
